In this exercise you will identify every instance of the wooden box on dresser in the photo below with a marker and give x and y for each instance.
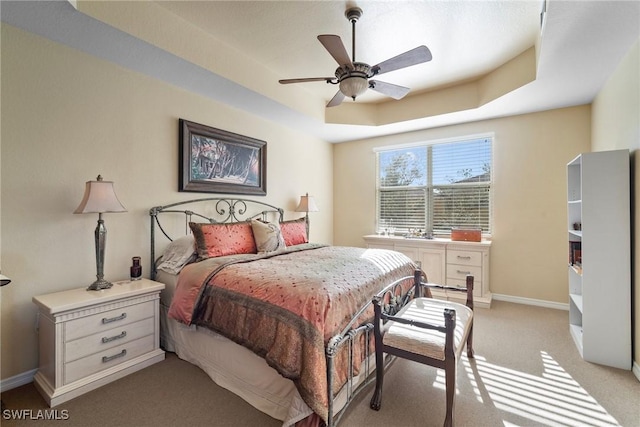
(445, 262)
(599, 251)
(91, 338)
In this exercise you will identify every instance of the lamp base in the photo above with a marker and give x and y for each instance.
(99, 285)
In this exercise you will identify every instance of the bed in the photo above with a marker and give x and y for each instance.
(283, 323)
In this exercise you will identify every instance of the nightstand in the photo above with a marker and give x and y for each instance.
(91, 338)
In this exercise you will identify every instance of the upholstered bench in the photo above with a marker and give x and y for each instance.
(425, 330)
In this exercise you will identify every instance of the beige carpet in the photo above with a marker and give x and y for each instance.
(527, 372)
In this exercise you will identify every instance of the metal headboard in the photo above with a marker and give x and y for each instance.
(225, 210)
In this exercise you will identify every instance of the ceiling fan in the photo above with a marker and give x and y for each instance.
(354, 77)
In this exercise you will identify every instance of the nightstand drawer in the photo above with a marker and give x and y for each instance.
(105, 359)
(106, 320)
(464, 257)
(105, 340)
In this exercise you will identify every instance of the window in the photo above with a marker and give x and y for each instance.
(436, 186)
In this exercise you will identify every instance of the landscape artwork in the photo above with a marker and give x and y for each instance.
(217, 161)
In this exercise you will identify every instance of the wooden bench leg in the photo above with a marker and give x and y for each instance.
(450, 384)
(469, 283)
(376, 399)
(470, 342)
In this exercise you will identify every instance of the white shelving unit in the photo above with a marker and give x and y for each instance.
(599, 220)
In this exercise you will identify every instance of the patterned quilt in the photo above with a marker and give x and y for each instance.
(285, 306)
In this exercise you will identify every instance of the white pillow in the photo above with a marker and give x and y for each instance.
(177, 254)
(267, 236)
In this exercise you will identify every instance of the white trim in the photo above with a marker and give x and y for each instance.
(17, 380)
(531, 301)
(636, 370)
(422, 143)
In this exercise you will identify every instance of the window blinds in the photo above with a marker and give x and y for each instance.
(435, 186)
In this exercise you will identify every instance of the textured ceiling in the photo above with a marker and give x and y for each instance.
(235, 52)
(467, 39)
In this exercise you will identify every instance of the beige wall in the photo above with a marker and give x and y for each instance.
(67, 117)
(529, 249)
(616, 125)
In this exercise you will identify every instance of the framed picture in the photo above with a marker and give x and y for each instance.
(217, 161)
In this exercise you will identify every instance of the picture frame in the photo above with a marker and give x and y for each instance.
(217, 161)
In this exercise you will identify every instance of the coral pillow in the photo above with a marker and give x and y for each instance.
(294, 232)
(214, 240)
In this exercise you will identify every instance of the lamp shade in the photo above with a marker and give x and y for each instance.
(4, 280)
(99, 197)
(307, 204)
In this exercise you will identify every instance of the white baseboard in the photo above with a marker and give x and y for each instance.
(18, 380)
(531, 301)
(636, 370)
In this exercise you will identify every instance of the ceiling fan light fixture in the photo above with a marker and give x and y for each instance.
(354, 86)
(353, 77)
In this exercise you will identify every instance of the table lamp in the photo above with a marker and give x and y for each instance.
(99, 197)
(306, 205)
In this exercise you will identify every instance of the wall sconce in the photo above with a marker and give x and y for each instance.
(99, 197)
(306, 205)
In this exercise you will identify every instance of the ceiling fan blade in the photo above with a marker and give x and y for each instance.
(414, 56)
(336, 100)
(309, 79)
(394, 91)
(336, 48)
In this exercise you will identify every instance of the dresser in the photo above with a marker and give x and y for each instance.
(445, 262)
(91, 338)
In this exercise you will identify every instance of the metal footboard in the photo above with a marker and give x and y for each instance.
(396, 297)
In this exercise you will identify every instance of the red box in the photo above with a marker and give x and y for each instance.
(466, 235)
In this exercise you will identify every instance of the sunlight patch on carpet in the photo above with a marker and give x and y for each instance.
(552, 399)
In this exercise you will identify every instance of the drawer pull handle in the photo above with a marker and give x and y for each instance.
(463, 272)
(114, 319)
(115, 337)
(106, 359)
(464, 257)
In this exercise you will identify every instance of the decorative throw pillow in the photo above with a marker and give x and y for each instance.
(214, 240)
(294, 231)
(177, 254)
(267, 236)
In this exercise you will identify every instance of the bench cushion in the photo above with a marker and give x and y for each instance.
(428, 342)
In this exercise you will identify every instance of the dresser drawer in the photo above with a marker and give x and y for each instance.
(464, 257)
(105, 340)
(459, 283)
(460, 272)
(107, 320)
(93, 363)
